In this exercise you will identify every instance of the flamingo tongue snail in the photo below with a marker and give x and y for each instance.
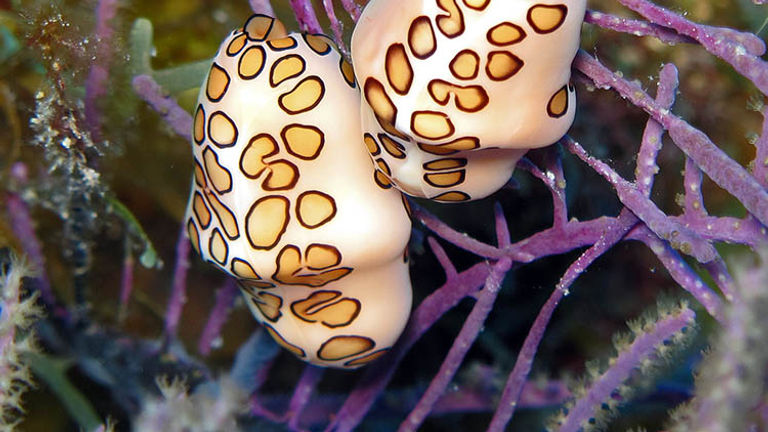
(454, 92)
(284, 197)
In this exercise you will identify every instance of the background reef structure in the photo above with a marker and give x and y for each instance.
(504, 307)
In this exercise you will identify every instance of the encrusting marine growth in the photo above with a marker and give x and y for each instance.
(454, 96)
(283, 198)
(284, 201)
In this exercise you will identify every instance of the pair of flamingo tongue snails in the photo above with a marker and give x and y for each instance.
(284, 199)
(454, 92)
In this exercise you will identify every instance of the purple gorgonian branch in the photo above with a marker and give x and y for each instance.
(96, 85)
(176, 117)
(225, 297)
(645, 345)
(179, 286)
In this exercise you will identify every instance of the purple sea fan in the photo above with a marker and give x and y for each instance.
(501, 285)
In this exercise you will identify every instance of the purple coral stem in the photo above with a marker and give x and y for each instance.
(338, 34)
(455, 237)
(669, 229)
(760, 170)
(179, 287)
(680, 271)
(174, 115)
(461, 345)
(519, 375)
(21, 224)
(723, 170)
(374, 380)
(95, 87)
(263, 7)
(305, 15)
(309, 380)
(554, 179)
(126, 283)
(634, 27)
(225, 297)
(722, 44)
(352, 8)
(694, 200)
(652, 135)
(641, 348)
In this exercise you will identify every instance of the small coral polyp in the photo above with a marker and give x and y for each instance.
(456, 91)
(284, 197)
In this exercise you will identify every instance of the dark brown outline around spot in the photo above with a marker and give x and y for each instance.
(234, 126)
(256, 302)
(326, 304)
(462, 178)
(298, 207)
(207, 171)
(366, 339)
(261, 69)
(567, 102)
(308, 108)
(283, 133)
(448, 119)
(523, 34)
(456, 57)
(274, 84)
(269, 29)
(562, 7)
(277, 49)
(210, 246)
(391, 52)
(208, 83)
(422, 56)
(287, 220)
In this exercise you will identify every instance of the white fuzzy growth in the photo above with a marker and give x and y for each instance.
(202, 411)
(16, 316)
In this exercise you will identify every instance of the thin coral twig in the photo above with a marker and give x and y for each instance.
(263, 7)
(126, 282)
(652, 135)
(442, 258)
(669, 229)
(722, 277)
(374, 380)
(352, 8)
(553, 178)
(760, 170)
(336, 26)
(519, 375)
(95, 86)
(175, 116)
(644, 345)
(503, 238)
(694, 200)
(461, 345)
(179, 286)
(634, 27)
(23, 229)
(724, 171)
(680, 271)
(307, 384)
(742, 54)
(457, 238)
(225, 297)
(305, 15)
